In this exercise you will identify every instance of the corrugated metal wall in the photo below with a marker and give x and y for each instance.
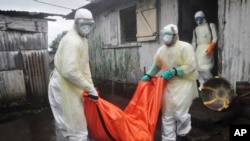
(36, 72)
(234, 39)
(24, 67)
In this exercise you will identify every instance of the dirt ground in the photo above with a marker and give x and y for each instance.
(39, 126)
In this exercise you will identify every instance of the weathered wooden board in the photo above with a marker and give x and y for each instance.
(23, 24)
(234, 39)
(10, 60)
(15, 41)
(12, 84)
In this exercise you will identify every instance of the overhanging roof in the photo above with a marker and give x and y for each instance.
(97, 6)
(39, 15)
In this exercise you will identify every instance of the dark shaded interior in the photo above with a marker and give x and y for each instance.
(186, 24)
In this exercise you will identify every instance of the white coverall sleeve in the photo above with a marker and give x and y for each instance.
(214, 32)
(194, 40)
(69, 67)
(189, 62)
(156, 60)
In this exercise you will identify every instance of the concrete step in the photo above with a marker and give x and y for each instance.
(217, 134)
(207, 119)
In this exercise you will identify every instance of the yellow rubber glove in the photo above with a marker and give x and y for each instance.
(210, 48)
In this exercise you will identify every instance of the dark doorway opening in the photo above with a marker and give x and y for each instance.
(186, 24)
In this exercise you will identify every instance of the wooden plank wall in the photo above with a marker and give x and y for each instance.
(234, 36)
(108, 53)
(120, 66)
(12, 84)
(168, 9)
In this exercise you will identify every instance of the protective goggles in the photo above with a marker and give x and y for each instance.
(83, 22)
(199, 20)
(164, 32)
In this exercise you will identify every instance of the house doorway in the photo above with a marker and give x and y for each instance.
(186, 23)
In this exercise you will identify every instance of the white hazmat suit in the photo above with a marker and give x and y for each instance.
(69, 79)
(204, 40)
(181, 89)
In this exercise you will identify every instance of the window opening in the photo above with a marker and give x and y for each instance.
(128, 24)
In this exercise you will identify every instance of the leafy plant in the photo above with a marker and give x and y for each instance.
(56, 41)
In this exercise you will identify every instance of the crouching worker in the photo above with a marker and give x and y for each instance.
(176, 60)
(70, 78)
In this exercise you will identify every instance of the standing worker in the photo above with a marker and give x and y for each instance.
(71, 77)
(204, 41)
(177, 61)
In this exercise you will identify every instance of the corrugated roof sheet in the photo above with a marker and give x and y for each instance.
(96, 6)
(40, 15)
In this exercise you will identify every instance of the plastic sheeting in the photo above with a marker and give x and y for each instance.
(107, 122)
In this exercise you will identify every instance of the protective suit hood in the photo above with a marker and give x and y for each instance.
(84, 22)
(169, 34)
(200, 17)
(83, 14)
(199, 14)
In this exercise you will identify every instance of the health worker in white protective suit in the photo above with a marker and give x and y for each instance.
(70, 78)
(204, 41)
(176, 60)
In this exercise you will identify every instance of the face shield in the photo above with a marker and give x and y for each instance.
(85, 26)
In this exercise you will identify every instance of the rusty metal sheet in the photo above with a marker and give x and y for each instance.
(36, 72)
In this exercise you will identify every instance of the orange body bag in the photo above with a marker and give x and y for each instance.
(107, 122)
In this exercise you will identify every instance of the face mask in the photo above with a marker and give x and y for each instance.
(199, 20)
(85, 30)
(167, 39)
